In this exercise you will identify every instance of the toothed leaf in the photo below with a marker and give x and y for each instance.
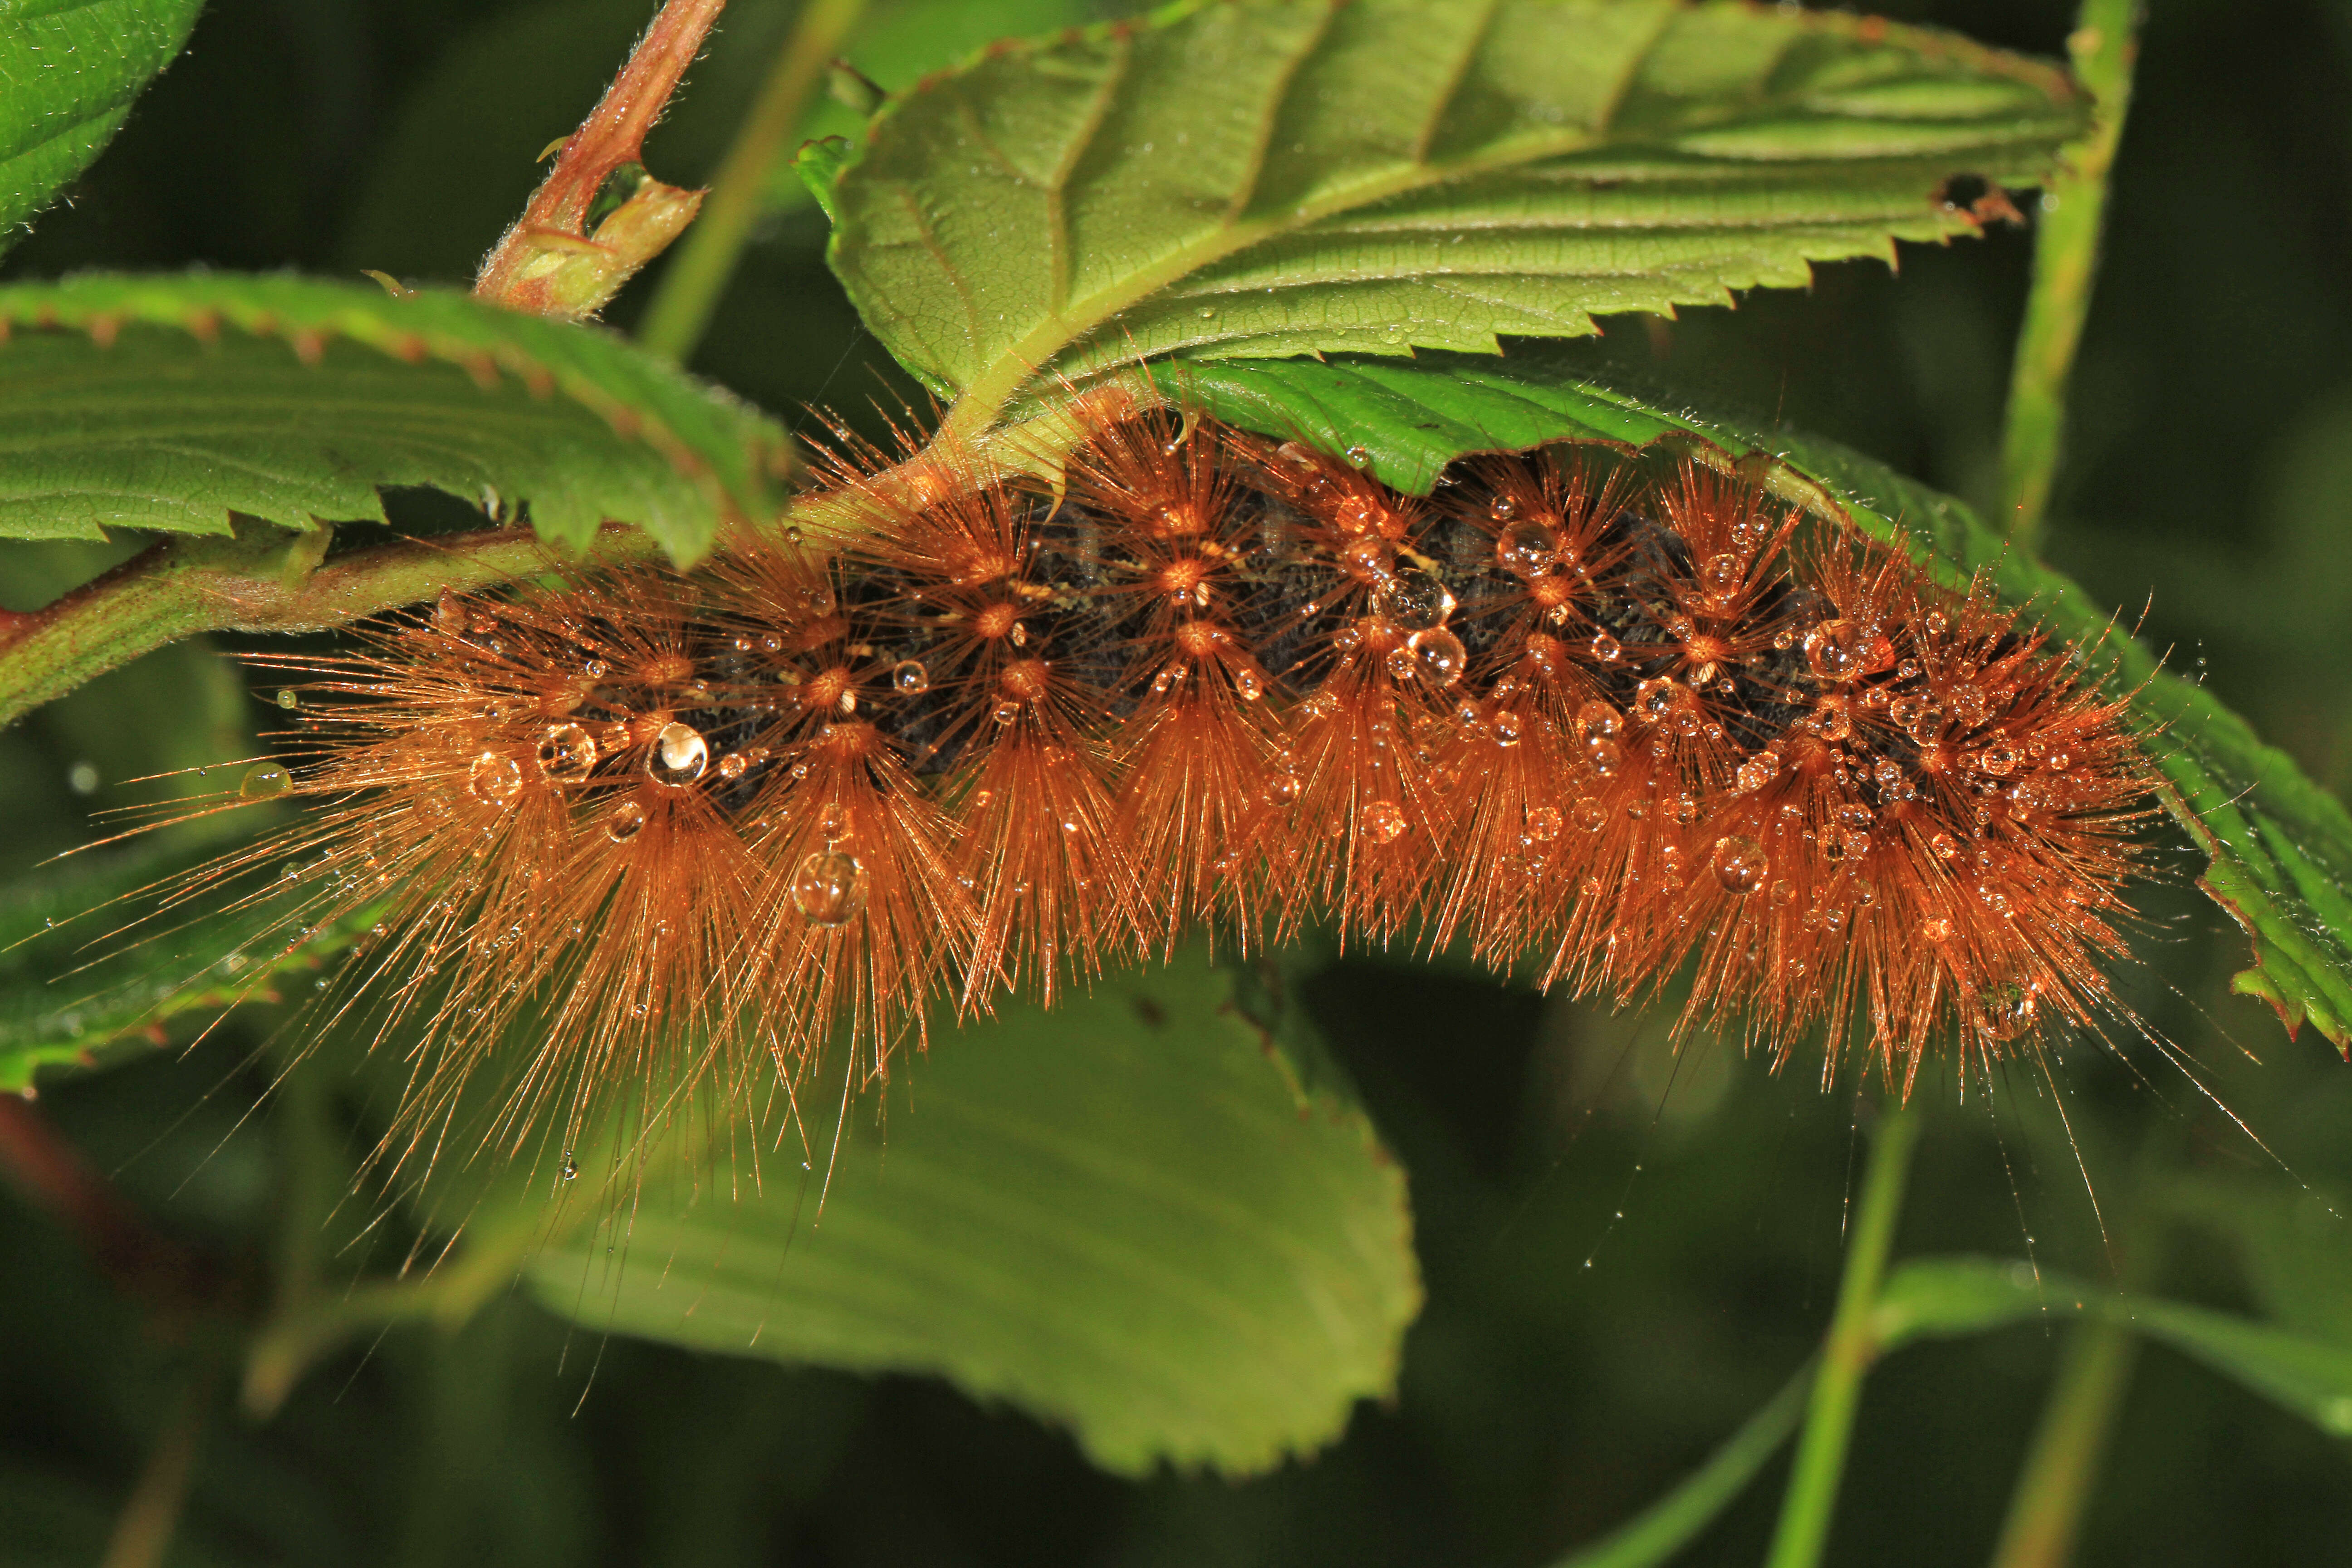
(1124, 1216)
(168, 403)
(1280, 177)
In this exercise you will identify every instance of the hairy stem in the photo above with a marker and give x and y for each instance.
(2065, 260)
(690, 285)
(1848, 1352)
(183, 587)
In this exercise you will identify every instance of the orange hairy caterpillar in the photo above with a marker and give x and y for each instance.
(1622, 715)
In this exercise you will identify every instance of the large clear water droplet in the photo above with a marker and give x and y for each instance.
(829, 887)
(678, 757)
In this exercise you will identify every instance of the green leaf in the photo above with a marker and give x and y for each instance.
(2280, 847)
(1281, 178)
(1121, 1215)
(170, 402)
(2308, 1375)
(68, 70)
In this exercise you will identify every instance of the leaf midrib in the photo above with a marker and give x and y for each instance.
(984, 399)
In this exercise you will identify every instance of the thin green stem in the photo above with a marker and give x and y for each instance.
(690, 285)
(143, 1529)
(1846, 1354)
(2065, 260)
(1670, 1523)
(2046, 1510)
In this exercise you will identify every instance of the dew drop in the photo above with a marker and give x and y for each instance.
(1606, 648)
(1603, 754)
(1739, 863)
(1249, 684)
(1590, 815)
(264, 781)
(1683, 809)
(287, 699)
(1999, 758)
(1526, 549)
(626, 821)
(909, 679)
(1361, 457)
(1414, 599)
(1756, 773)
(1834, 650)
(1598, 717)
(1657, 696)
(1721, 574)
(1543, 823)
(1438, 656)
(829, 887)
(1507, 728)
(1384, 822)
(1936, 928)
(566, 752)
(1502, 509)
(494, 779)
(570, 1167)
(678, 757)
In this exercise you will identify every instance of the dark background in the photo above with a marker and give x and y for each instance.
(2210, 474)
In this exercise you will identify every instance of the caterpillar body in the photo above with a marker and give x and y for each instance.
(1611, 715)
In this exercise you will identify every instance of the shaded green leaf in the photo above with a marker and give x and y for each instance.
(1292, 176)
(2280, 846)
(2310, 1376)
(168, 403)
(68, 70)
(1121, 1216)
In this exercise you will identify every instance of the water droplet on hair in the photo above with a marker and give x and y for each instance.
(1834, 650)
(1606, 648)
(1756, 773)
(1249, 684)
(1603, 754)
(1507, 728)
(1657, 696)
(566, 752)
(1438, 657)
(1590, 815)
(264, 781)
(495, 779)
(624, 822)
(1999, 758)
(1502, 509)
(287, 699)
(1720, 575)
(1384, 822)
(1543, 823)
(1414, 599)
(1526, 549)
(570, 1167)
(1359, 457)
(678, 757)
(829, 887)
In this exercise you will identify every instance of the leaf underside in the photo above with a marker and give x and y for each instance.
(1123, 1217)
(2280, 846)
(68, 70)
(1278, 177)
(168, 403)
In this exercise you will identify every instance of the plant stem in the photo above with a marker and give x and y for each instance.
(2046, 1510)
(2065, 260)
(1848, 1352)
(183, 587)
(1670, 1523)
(696, 275)
(144, 1531)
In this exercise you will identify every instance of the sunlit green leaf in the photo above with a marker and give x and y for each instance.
(1124, 1216)
(1278, 177)
(168, 403)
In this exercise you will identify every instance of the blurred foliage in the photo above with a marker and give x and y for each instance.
(1542, 1401)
